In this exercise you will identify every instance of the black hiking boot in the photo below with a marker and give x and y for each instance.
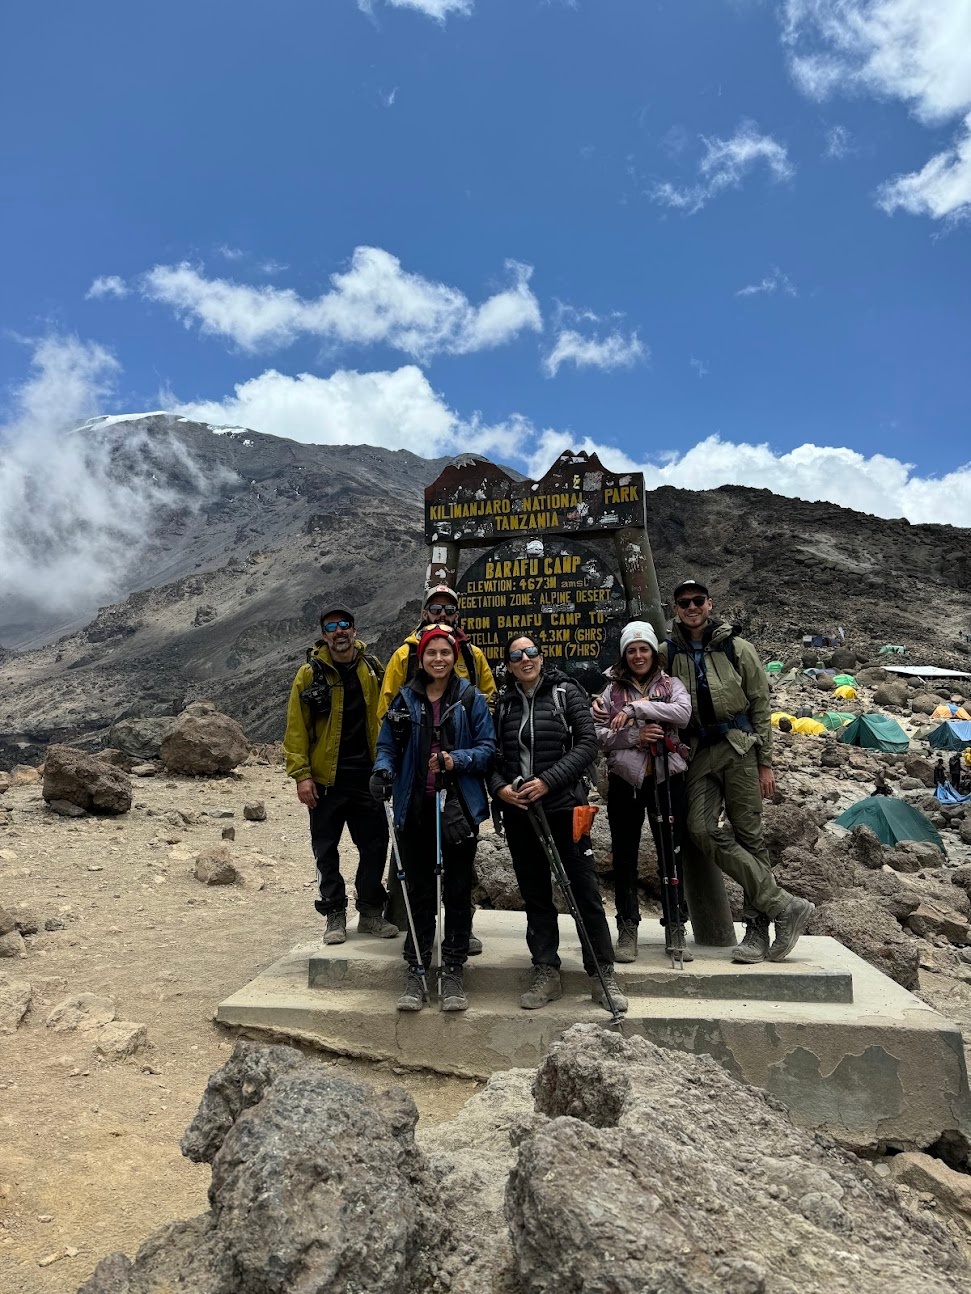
(617, 1002)
(475, 945)
(336, 931)
(675, 940)
(789, 925)
(544, 986)
(625, 949)
(452, 990)
(413, 997)
(755, 943)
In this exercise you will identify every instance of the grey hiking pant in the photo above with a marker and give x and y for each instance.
(719, 777)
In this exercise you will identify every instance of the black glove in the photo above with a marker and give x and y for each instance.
(380, 785)
(455, 825)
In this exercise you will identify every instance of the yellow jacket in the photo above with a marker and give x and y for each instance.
(311, 748)
(396, 675)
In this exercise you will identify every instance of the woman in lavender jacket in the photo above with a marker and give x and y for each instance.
(641, 706)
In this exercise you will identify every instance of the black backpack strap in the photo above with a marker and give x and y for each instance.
(468, 655)
(412, 669)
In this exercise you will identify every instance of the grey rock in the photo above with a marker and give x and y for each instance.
(817, 875)
(867, 929)
(228, 833)
(81, 1011)
(141, 739)
(891, 694)
(784, 825)
(12, 944)
(496, 885)
(86, 781)
(214, 866)
(7, 922)
(144, 770)
(120, 1039)
(203, 744)
(898, 899)
(255, 811)
(866, 848)
(15, 995)
(65, 809)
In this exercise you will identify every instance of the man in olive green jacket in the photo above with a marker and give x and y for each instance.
(330, 744)
(731, 767)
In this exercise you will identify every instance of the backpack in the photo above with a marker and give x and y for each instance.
(468, 656)
(317, 696)
(559, 708)
(398, 718)
(727, 647)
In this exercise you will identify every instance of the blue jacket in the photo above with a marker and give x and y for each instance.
(405, 739)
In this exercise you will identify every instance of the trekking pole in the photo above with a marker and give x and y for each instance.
(671, 875)
(439, 810)
(400, 873)
(541, 826)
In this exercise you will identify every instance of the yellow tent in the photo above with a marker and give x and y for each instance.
(950, 712)
(847, 693)
(808, 727)
(781, 714)
(966, 757)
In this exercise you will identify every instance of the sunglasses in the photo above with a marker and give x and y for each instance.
(442, 609)
(699, 601)
(331, 626)
(518, 653)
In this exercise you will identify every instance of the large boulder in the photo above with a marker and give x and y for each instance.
(141, 739)
(924, 703)
(787, 824)
(865, 927)
(86, 781)
(203, 743)
(844, 659)
(891, 694)
(816, 875)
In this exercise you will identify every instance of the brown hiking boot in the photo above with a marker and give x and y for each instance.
(336, 931)
(625, 950)
(544, 986)
(755, 943)
(789, 925)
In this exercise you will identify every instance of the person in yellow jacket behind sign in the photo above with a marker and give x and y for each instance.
(330, 747)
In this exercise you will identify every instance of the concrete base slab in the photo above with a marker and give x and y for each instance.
(850, 1052)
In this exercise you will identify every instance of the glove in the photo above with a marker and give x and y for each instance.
(380, 785)
(455, 825)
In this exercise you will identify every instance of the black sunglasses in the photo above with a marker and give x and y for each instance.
(441, 609)
(518, 653)
(699, 601)
(331, 626)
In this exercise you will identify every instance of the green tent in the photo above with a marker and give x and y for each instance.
(774, 667)
(876, 732)
(845, 680)
(891, 649)
(835, 719)
(890, 820)
(952, 734)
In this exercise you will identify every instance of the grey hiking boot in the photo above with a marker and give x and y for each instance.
(336, 931)
(376, 925)
(675, 944)
(618, 1002)
(789, 925)
(544, 986)
(413, 997)
(625, 950)
(755, 943)
(452, 990)
(475, 945)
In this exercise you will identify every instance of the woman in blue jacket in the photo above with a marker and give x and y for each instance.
(438, 726)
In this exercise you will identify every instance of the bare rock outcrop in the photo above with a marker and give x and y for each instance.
(141, 739)
(203, 742)
(867, 929)
(86, 781)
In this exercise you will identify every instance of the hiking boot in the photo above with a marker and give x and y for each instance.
(625, 950)
(475, 945)
(544, 986)
(674, 944)
(451, 990)
(413, 997)
(755, 944)
(336, 931)
(618, 1002)
(789, 925)
(377, 926)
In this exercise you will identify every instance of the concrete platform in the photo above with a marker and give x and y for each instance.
(849, 1051)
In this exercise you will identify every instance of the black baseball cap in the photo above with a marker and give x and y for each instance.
(337, 613)
(689, 584)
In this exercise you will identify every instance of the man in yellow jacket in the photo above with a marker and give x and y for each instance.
(441, 607)
(330, 745)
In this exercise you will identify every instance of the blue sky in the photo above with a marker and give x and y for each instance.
(725, 240)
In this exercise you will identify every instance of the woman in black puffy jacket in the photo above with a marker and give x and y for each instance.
(546, 737)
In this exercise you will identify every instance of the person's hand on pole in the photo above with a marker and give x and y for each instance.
(441, 761)
(510, 796)
(649, 734)
(380, 785)
(307, 792)
(533, 790)
(766, 783)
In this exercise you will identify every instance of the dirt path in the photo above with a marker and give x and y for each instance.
(89, 1150)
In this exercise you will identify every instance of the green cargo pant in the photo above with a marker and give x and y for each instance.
(719, 777)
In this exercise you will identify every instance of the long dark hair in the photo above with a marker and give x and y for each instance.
(622, 673)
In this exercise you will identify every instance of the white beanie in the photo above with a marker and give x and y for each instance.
(638, 631)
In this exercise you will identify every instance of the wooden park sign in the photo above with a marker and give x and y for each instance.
(569, 560)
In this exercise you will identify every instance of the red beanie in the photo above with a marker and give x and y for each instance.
(433, 632)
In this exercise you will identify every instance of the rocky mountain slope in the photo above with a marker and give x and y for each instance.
(224, 597)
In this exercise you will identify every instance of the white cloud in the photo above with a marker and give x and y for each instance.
(769, 285)
(437, 9)
(879, 485)
(724, 165)
(107, 285)
(374, 301)
(615, 350)
(912, 50)
(75, 506)
(838, 143)
(699, 366)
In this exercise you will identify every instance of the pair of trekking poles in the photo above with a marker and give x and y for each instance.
(669, 859)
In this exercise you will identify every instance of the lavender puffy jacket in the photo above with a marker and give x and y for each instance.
(666, 703)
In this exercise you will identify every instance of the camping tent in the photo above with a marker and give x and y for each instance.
(781, 714)
(946, 793)
(892, 649)
(774, 666)
(835, 719)
(877, 732)
(953, 734)
(947, 710)
(844, 680)
(890, 820)
(808, 727)
(845, 693)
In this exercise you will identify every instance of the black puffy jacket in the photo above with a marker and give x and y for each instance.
(561, 750)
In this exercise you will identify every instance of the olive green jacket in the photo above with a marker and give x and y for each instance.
(744, 689)
(311, 746)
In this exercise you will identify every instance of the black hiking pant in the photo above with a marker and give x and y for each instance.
(349, 802)
(535, 880)
(417, 842)
(626, 808)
